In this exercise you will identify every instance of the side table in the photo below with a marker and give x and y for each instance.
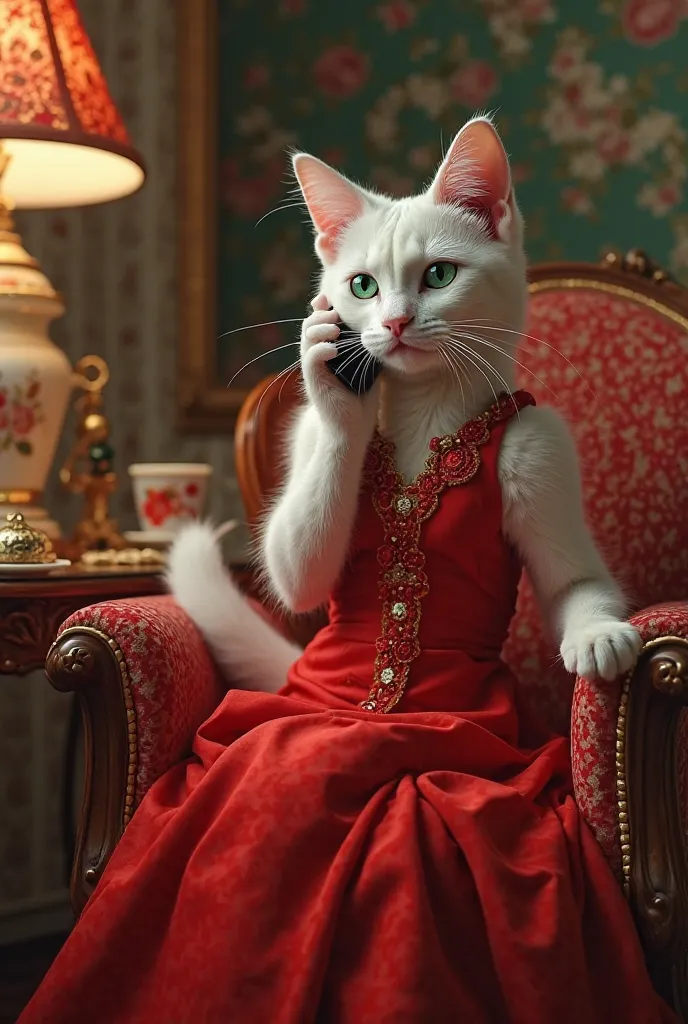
(31, 612)
(32, 609)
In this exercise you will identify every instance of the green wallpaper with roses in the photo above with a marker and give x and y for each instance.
(591, 99)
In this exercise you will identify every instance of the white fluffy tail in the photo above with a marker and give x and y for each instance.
(251, 654)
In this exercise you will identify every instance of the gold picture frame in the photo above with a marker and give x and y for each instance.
(204, 403)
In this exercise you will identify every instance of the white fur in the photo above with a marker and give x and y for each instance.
(250, 653)
(544, 519)
(428, 388)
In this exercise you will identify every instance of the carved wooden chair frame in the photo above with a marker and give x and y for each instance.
(654, 847)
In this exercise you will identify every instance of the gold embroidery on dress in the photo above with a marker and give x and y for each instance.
(403, 508)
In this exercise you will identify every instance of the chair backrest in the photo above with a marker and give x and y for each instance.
(612, 354)
(259, 439)
(608, 345)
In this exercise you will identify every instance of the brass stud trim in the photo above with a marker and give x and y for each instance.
(132, 724)
(623, 822)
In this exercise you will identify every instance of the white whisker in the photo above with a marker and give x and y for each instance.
(466, 349)
(293, 368)
(353, 354)
(261, 355)
(268, 323)
(276, 209)
(497, 348)
(274, 380)
(467, 355)
(364, 369)
(477, 323)
(457, 372)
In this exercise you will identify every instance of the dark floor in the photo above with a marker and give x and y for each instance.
(21, 969)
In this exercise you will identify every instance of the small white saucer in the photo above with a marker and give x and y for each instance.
(149, 539)
(32, 568)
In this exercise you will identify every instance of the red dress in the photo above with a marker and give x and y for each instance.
(386, 840)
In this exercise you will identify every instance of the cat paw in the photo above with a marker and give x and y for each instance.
(318, 336)
(318, 328)
(337, 404)
(601, 649)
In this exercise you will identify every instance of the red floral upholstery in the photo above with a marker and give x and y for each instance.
(174, 683)
(617, 369)
(593, 736)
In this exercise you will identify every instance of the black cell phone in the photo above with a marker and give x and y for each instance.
(353, 364)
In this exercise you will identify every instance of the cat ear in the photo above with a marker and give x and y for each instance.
(475, 175)
(332, 200)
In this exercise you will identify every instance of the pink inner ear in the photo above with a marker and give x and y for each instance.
(333, 202)
(475, 173)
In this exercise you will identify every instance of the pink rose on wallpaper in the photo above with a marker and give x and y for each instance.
(256, 76)
(474, 83)
(614, 145)
(396, 15)
(649, 22)
(669, 195)
(532, 10)
(249, 196)
(292, 7)
(575, 200)
(341, 72)
(520, 173)
(334, 156)
(660, 199)
(564, 61)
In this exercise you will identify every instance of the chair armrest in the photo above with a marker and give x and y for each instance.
(145, 681)
(629, 744)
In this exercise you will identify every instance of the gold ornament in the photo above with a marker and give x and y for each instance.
(136, 557)
(22, 544)
(88, 469)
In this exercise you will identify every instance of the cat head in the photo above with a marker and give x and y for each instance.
(418, 276)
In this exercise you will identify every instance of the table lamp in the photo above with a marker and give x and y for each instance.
(62, 143)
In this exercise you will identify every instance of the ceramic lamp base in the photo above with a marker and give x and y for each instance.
(34, 515)
(35, 379)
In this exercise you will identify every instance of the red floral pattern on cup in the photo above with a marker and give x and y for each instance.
(161, 505)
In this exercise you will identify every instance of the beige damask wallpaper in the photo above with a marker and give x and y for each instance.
(116, 266)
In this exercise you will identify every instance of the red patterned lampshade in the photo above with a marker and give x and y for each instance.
(58, 124)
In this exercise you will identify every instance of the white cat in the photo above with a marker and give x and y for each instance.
(424, 280)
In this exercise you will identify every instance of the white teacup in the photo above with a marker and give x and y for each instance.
(169, 495)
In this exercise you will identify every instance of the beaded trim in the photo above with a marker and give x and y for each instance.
(402, 583)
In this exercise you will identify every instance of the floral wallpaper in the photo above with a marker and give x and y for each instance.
(591, 100)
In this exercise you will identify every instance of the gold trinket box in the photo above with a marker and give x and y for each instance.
(21, 544)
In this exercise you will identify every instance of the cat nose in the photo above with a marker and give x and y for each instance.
(396, 324)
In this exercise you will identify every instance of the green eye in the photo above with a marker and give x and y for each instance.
(439, 275)
(363, 286)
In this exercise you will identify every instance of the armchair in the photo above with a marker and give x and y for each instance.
(608, 345)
